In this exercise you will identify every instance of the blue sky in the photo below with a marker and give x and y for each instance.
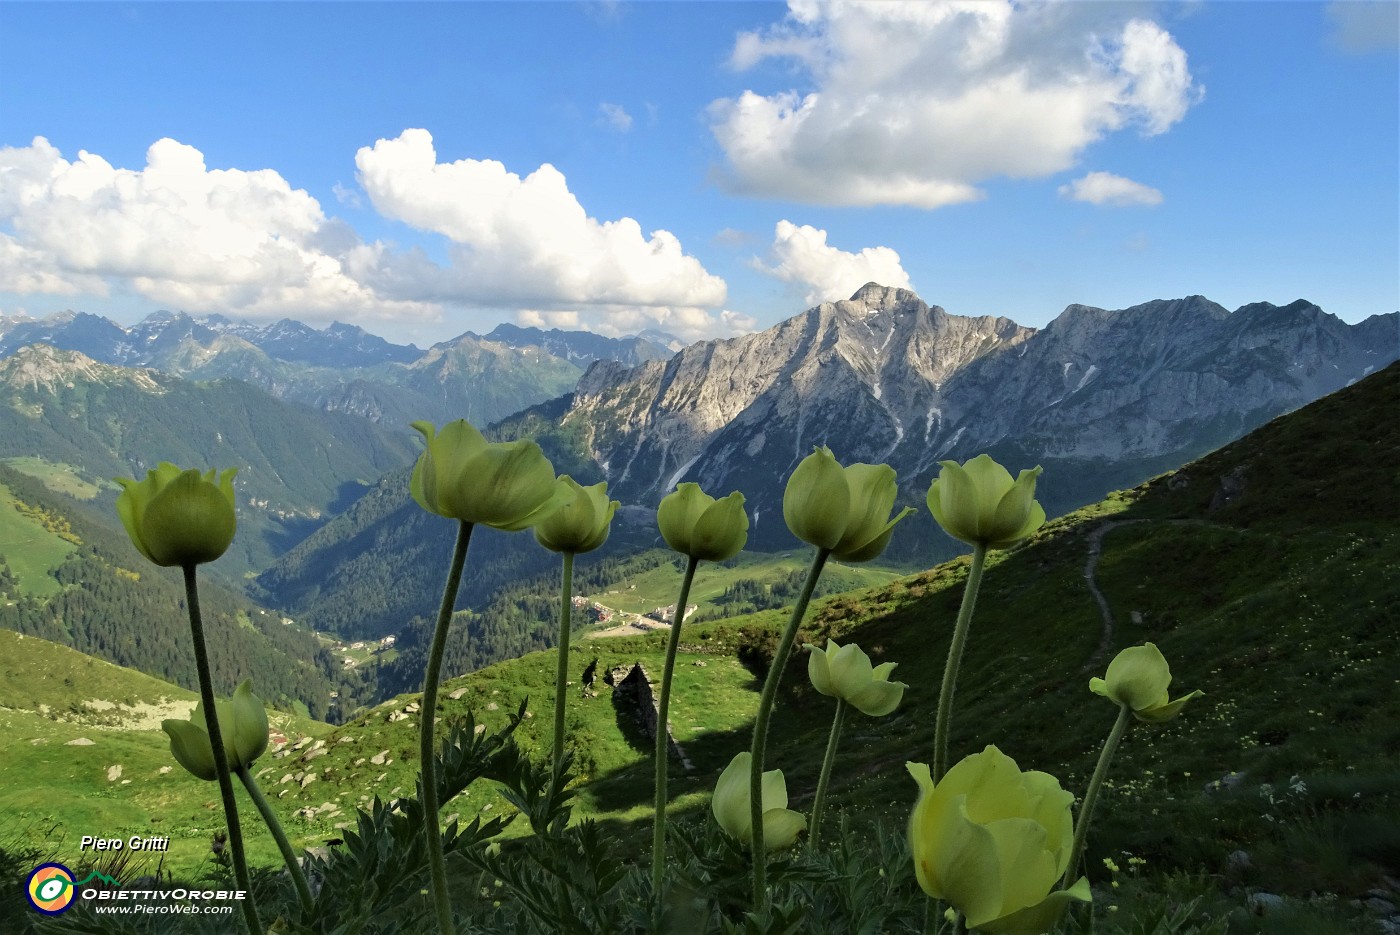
(706, 168)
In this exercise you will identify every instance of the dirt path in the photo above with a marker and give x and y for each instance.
(631, 628)
(1091, 564)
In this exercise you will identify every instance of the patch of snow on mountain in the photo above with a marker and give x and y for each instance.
(933, 413)
(680, 472)
(952, 441)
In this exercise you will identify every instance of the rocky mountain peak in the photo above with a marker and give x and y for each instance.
(873, 297)
(42, 366)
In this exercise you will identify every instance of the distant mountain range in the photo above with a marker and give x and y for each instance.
(343, 368)
(1101, 399)
(296, 465)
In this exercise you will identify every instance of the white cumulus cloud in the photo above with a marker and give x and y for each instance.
(517, 241)
(916, 103)
(179, 234)
(801, 257)
(1105, 188)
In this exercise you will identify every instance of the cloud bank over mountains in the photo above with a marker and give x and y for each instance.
(189, 237)
(179, 234)
(903, 104)
(917, 103)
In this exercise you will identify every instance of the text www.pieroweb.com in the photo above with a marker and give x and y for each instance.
(122, 902)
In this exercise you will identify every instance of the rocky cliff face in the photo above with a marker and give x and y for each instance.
(1114, 395)
(860, 374)
(40, 368)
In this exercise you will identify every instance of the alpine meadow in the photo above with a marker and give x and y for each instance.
(500, 468)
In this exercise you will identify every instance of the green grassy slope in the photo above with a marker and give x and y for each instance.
(32, 545)
(119, 779)
(1277, 600)
(1266, 572)
(68, 577)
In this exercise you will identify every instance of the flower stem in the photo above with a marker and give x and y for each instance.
(561, 675)
(950, 670)
(663, 712)
(216, 743)
(288, 854)
(427, 751)
(1086, 812)
(760, 728)
(818, 805)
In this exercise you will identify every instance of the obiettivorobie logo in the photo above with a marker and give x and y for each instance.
(52, 889)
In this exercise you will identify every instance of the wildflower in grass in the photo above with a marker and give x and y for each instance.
(992, 841)
(186, 518)
(579, 522)
(1137, 678)
(845, 673)
(845, 513)
(977, 503)
(731, 805)
(980, 504)
(244, 722)
(698, 526)
(506, 485)
(701, 528)
(843, 510)
(179, 517)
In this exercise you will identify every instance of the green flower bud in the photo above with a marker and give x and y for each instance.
(1138, 678)
(730, 804)
(993, 842)
(507, 485)
(242, 722)
(845, 672)
(844, 510)
(980, 504)
(179, 517)
(580, 523)
(694, 523)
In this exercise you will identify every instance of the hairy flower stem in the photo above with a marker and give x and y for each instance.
(1086, 812)
(663, 709)
(819, 803)
(950, 670)
(760, 729)
(216, 743)
(561, 674)
(427, 750)
(288, 854)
